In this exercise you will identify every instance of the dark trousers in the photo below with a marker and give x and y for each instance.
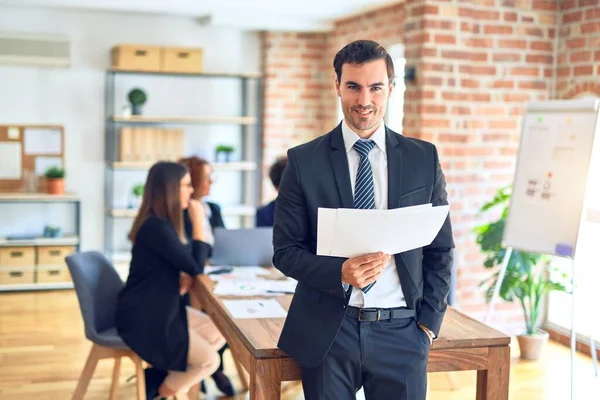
(388, 358)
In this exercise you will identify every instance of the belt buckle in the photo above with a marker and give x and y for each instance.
(360, 313)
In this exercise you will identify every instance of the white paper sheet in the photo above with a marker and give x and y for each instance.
(43, 163)
(356, 232)
(42, 141)
(254, 287)
(255, 309)
(10, 161)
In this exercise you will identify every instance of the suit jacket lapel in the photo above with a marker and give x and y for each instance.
(394, 163)
(339, 162)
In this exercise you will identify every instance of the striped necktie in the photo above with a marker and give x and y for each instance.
(364, 191)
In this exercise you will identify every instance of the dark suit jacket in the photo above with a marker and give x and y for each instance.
(265, 215)
(151, 318)
(317, 175)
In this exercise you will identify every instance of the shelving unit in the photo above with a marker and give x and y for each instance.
(249, 128)
(32, 246)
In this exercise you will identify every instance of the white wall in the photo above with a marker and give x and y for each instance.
(74, 97)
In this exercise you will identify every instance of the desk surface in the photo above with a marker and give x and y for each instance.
(261, 335)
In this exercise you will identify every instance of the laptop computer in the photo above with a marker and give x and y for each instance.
(243, 247)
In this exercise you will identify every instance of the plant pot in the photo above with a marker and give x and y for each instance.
(56, 186)
(531, 346)
(136, 109)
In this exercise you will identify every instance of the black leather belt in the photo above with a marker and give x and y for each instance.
(379, 314)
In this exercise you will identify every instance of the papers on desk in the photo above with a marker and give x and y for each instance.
(348, 232)
(255, 309)
(217, 273)
(255, 287)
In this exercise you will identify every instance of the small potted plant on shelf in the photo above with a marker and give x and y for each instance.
(528, 279)
(137, 98)
(226, 150)
(55, 178)
(137, 191)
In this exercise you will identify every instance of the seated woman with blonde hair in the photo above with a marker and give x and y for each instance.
(179, 342)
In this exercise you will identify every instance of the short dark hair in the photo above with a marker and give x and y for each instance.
(362, 51)
(276, 171)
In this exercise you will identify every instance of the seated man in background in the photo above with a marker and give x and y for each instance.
(265, 215)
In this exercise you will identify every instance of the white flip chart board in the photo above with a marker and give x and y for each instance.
(551, 177)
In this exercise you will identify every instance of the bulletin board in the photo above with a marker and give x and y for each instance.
(28, 150)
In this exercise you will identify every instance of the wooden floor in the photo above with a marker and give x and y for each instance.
(43, 349)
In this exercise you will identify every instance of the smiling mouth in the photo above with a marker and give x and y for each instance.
(363, 112)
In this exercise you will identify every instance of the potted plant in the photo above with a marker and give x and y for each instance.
(528, 279)
(137, 98)
(137, 191)
(225, 149)
(55, 178)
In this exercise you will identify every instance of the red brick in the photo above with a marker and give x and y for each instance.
(454, 96)
(478, 14)
(521, 97)
(586, 3)
(423, 10)
(445, 39)
(580, 56)
(542, 46)
(583, 70)
(431, 109)
(479, 42)
(510, 124)
(576, 43)
(469, 83)
(527, 19)
(456, 55)
(436, 24)
(435, 123)
(529, 31)
(524, 71)
(497, 30)
(510, 16)
(545, 5)
(537, 58)
(459, 110)
(502, 84)
(506, 57)
(572, 17)
(512, 44)
(433, 81)
(428, 66)
(469, 27)
(592, 13)
(453, 138)
(567, 4)
(535, 85)
(597, 56)
(477, 70)
(590, 27)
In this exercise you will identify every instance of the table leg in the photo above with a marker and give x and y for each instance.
(265, 382)
(492, 384)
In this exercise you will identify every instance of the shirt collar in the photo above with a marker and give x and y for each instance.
(350, 137)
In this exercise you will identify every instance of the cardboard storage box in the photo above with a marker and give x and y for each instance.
(133, 57)
(185, 60)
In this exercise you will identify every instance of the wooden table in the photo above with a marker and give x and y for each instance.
(463, 344)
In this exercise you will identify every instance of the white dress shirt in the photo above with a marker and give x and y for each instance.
(208, 230)
(387, 292)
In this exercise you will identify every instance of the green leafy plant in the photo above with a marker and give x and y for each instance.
(222, 148)
(55, 172)
(529, 276)
(137, 96)
(138, 190)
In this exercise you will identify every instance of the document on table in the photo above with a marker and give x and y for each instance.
(255, 309)
(255, 287)
(348, 232)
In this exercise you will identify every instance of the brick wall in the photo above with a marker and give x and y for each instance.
(578, 63)
(478, 62)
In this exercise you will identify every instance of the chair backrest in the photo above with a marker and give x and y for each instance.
(97, 285)
(243, 247)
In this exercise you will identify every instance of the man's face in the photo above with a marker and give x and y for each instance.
(364, 91)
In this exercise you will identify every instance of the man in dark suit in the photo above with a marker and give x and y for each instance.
(266, 214)
(366, 321)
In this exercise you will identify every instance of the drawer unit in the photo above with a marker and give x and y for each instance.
(17, 256)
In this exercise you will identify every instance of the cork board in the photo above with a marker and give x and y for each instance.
(27, 148)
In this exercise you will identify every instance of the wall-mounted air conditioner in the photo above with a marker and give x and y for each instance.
(38, 50)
